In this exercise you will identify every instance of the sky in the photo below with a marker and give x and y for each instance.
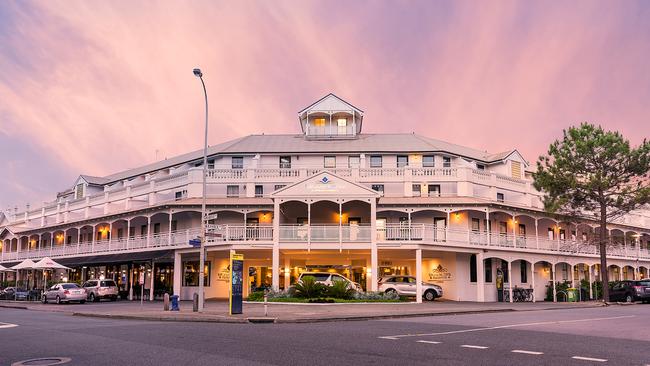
(90, 87)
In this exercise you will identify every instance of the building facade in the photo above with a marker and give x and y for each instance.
(328, 199)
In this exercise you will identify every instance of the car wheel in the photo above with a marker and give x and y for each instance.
(390, 291)
(92, 298)
(629, 298)
(113, 298)
(82, 301)
(44, 299)
(58, 300)
(429, 295)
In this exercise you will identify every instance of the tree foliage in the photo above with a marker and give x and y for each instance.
(594, 174)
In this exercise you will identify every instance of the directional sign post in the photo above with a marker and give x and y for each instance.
(195, 242)
(236, 283)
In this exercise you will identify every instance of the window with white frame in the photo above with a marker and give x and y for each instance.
(446, 162)
(80, 190)
(375, 161)
(417, 190)
(285, 162)
(353, 161)
(329, 161)
(232, 191)
(428, 161)
(237, 162)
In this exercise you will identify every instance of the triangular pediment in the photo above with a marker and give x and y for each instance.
(325, 184)
(331, 103)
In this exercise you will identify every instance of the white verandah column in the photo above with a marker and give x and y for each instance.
(418, 276)
(510, 280)
(480, 277)
(374, 255)
(532, 273)
(153, 275)
(178, 269)
(553, 279)
(275, 264)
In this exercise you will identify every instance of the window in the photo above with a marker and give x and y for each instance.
(279, 186)
(191, 273)
(353, 161)
(488, 270)
(417, 190)
(319, 122)
(285, 162)
(516, 169)
(402, 161)
(472, 268)
(378, 188)
(503, 227)
(174, 225)
(446, 162)
(80, 190)
(522, 230)
(434, 190)
(342, 124)
(69, 239)
(329, 161)
(211, 164)
(120, 234)
(375, 161)
(143, 230)
(259, 191)
(180, 195)
(428, 161)
(232, 191)
(584, 236)
(562, 234)
(476, 225)
(551, 234)
(132, 231)
(156, 228)
(523, 269)
(501, 197)
(237, 162)
(480, 166)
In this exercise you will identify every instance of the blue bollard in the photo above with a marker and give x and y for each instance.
(174, 299)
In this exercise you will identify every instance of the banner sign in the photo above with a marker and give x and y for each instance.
(236, 283)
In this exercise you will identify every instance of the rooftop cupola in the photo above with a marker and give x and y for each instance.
(331, 118)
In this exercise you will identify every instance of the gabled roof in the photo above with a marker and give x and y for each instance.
(330, 96)
(94, 181)
(506, 154)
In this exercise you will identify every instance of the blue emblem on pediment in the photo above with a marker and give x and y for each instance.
(324, 180)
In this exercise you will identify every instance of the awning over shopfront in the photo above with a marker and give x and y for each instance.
(158, 256)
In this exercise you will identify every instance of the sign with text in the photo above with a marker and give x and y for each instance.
(236, 283)
(440, 274)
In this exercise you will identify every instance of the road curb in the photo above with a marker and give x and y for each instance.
(8, 306)
(164, 318)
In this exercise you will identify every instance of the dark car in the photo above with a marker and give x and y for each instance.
(630, 291)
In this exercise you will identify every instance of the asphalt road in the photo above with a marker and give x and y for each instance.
(616, 335)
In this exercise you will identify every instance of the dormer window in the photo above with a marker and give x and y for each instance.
(80, 190)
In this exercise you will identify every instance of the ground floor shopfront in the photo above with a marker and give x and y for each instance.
(464, 275)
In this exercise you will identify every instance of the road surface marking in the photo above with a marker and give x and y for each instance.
(7, 325)
(471, 346)
(526, 352)
(589, 359)
(430, 342)
(392, 338)
(505, 327)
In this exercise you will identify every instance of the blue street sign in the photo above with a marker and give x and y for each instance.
(195, 242)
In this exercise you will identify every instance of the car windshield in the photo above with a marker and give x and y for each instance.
(644, 283)
(69, 285)
(318, 276)
(107, 284)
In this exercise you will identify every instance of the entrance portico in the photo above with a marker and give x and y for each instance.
(326, 212)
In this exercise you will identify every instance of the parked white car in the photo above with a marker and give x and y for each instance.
(329, 279)
(407, 286)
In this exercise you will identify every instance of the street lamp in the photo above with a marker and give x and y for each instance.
(199, 74)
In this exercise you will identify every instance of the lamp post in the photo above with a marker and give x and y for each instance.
(199, 74)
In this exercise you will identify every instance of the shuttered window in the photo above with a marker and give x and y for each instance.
(516, 169)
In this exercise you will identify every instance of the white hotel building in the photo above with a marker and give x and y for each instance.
(329, 199)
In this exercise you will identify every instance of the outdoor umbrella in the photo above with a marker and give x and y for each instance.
(26, 264)
(48, 263)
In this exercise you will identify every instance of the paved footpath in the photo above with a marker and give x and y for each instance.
(217, 311)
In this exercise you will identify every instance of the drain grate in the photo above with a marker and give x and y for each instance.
(45, 361)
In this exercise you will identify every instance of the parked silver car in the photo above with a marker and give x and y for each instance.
(64, 292)
(101, 289)
(407, 285)
(329, 279)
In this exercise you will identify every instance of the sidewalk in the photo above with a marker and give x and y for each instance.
(217, 311)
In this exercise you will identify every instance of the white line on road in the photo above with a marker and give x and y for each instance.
(7, 325)
(506, 326)
(391, 338)
(471, 346)
(526, 352)
(589, 359)
(430, 342)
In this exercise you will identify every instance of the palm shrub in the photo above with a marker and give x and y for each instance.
(340, 290)
(308, 288)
